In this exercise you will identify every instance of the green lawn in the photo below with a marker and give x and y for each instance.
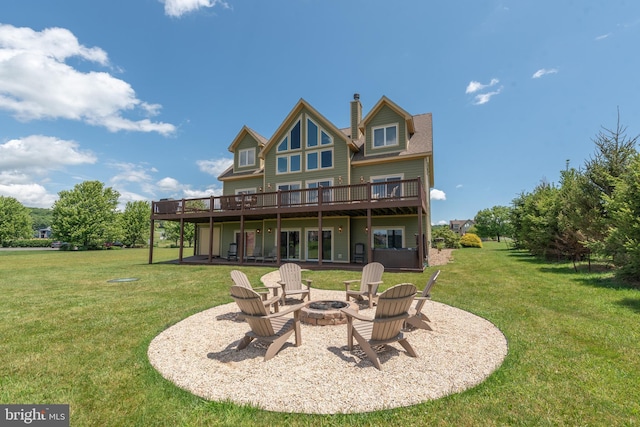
(67, 335)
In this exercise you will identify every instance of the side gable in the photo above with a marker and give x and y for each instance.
(246, 148)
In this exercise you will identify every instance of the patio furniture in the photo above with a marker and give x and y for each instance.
(257, 254)
(241, 279)
(369, 282)
(358, 254)
(291, 282)
(232, 253)
(417, 318)
(273, 256)
(386, 326)
(272, 329)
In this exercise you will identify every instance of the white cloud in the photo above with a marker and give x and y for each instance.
(30, 195)
(483, 98)
(37, 83)
(459, 186)
(130, 173)
(603, 36)
(188, 193)
(39, 154)
(441, 222)
(214, 167)
(169, 184)
(475, 86)
(544, 71)
(177, 8)
(436, 194)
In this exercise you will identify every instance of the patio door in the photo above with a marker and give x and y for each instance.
(327, 245)
(290, 244)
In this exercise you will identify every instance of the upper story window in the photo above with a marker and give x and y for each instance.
(316, 136)
(385, 136)
(319, 159)
(386, 186)
(292, 140)
(288, 163)
(247, 157)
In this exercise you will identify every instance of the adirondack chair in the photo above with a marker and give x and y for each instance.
(241, 279)
(291, 282)
(273, 329)
(232, 253)
(369, 282)
(417, 319)
(386, 326)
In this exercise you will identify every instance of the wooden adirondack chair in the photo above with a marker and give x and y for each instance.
(291, 282)
(386, 326)
(369, 282)
(241, 279)
(417, 318)
(269, 328)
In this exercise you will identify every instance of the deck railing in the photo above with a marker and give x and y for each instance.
(409, 189)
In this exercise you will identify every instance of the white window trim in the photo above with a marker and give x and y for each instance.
(320, 131)
(316, 181)
(319, 152)
(246, 191)
(386, 228)
(247, 151)
(288, 157)
(373, 180)
(373, 129)
(306, 242)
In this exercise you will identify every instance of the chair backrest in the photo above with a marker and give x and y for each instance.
(233, 249)
(393, 302)
(257, 250)
(427, 290)
(359, 249)
(291, 276)
(371, 272)
(250, 304)
(240, 279)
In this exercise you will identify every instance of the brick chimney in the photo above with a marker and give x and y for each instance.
(356, 116)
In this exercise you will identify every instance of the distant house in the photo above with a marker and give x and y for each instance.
(313, 192)
(43, 233)
(460, 226)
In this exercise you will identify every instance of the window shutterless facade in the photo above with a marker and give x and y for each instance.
(247, 157)
(385, 136)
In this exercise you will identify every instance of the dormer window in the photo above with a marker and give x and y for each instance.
(385, 136)
(247, 157)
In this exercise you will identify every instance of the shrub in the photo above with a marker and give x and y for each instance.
(470, 240)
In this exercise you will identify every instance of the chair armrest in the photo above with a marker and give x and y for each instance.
(422, 298)
(288, 310)
(347, 283)
(352, 313)
(309, 282)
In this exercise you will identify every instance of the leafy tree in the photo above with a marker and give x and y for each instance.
(623, 241)
(494, 222)
(135, 222)
(15, 221)
(172, 232)
(86, 216)
(450, 239)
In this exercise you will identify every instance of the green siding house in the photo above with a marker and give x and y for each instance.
(316, 194)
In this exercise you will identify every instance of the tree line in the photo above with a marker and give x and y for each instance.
(594, 210)
(86, 217)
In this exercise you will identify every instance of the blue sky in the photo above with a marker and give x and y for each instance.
(147, 95)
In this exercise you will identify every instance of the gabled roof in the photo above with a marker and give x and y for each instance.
(302, 104)
(389, 103)
(247, 131)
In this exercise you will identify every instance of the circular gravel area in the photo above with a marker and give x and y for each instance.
(321, 376)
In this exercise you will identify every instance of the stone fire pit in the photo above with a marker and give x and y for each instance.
(325, 313)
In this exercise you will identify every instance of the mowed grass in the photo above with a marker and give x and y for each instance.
(68, 335)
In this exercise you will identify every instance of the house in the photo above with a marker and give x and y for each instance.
(460, 227)
(313, 192)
